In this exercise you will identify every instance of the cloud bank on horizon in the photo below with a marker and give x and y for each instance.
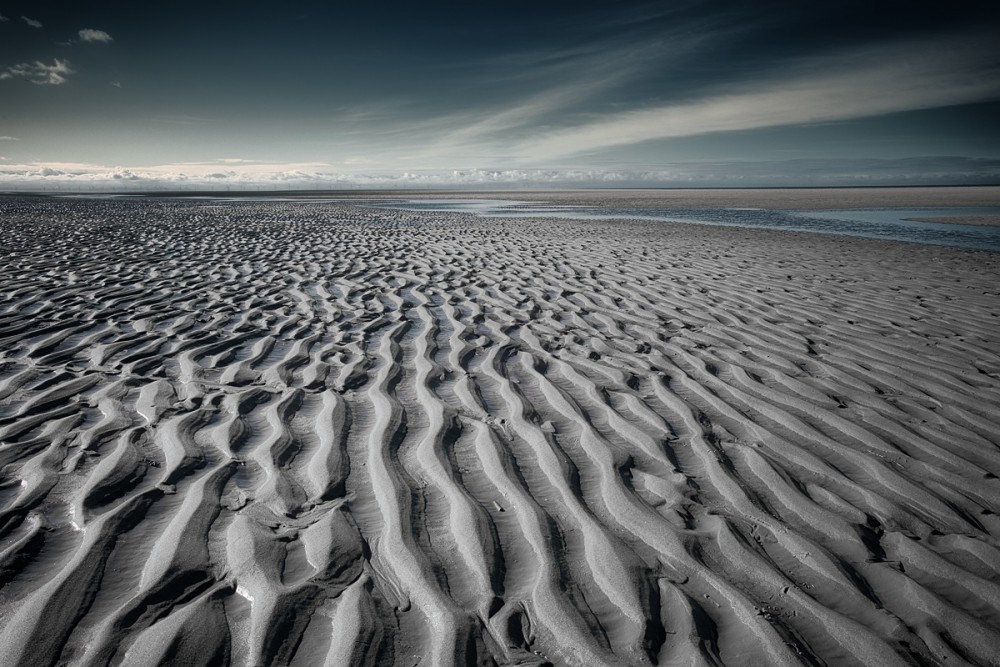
(238, 174)
(594, 92)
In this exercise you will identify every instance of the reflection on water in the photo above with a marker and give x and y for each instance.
(878, 223)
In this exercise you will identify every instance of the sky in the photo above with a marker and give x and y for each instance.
(474, 93)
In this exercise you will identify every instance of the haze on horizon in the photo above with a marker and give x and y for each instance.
(476, 93)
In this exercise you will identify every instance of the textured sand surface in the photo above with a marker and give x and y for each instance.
(262, 433)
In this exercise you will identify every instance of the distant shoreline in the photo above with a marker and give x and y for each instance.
(978, 220)
(771, 198)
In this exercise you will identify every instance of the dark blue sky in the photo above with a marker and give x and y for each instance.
(537, 90)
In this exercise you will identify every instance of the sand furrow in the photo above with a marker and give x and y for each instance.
(406, 568)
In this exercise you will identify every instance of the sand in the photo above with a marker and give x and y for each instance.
(312, 434)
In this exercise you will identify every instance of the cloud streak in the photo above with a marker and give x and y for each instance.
(580, 117)
(32, 22)
(871, 84)
(95, 36)
(39, 73)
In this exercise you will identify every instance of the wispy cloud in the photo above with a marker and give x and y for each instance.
(851, 86)
(3, 19)
(582, 115)
(91, 35)
(32, 22)
(7, 138)
(39, 73)
(508, 96)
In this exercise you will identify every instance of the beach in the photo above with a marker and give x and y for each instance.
(312, 433)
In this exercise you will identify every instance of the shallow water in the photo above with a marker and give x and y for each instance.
(877, 223)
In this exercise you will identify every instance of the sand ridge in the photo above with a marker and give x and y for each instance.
(313, 434)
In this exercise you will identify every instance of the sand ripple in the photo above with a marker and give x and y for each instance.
(321, 435)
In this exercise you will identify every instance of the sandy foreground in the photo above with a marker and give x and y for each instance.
(273, 433)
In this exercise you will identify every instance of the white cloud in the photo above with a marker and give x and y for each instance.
(32, 22)
(3, 19)
(7, 138)
(39, 72)
(91, 35)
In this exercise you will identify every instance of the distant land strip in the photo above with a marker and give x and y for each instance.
(984, 220)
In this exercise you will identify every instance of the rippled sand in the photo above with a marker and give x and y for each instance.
(270, 433)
